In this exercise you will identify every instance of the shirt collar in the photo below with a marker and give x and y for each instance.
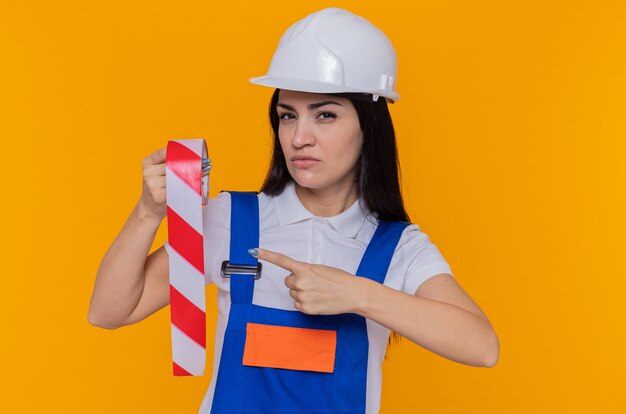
(290, 209)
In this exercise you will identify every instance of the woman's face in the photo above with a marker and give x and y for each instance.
(321, 138)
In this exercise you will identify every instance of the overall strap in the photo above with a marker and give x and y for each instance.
(244, 235)
(379, 252)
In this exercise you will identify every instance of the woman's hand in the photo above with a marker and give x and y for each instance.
(317, 289)
(440, 317)
(153, 202)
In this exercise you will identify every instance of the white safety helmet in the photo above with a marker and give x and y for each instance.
(332, 51)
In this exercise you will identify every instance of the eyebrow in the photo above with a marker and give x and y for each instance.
(310, 106)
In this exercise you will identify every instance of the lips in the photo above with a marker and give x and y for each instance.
(303, 157)
(304, 161)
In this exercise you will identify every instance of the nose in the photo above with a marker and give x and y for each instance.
(303, 133)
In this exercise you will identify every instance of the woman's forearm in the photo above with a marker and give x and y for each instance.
(120, 278)
(443, 328)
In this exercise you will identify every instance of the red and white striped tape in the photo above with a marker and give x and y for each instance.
(186, 192)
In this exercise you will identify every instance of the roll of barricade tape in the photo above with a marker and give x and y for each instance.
(187, 191)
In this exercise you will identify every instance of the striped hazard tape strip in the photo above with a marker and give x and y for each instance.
(187, 192)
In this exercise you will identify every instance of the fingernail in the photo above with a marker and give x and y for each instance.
(254, 252)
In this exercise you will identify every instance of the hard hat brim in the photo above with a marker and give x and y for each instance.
(316, 87)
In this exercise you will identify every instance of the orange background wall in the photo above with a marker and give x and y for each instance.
(511, 136)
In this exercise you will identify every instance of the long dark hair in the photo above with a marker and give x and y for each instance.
(378, 168)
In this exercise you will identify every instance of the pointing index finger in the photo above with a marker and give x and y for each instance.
(281, 260)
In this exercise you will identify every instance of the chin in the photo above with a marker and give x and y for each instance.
(308, 183)
(316, 181)
(308, 180)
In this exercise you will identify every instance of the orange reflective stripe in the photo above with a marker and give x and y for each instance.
(291, 348)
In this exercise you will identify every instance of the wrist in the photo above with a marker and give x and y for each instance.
(363, 295)
(144, 215)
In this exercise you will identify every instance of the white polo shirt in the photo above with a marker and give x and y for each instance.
(287, 227)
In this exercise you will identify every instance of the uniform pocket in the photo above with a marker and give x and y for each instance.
(286, 347)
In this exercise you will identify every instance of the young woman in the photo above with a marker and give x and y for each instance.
(342, 264)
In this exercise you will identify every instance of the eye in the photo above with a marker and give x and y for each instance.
(286, 116)
(327, 115)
